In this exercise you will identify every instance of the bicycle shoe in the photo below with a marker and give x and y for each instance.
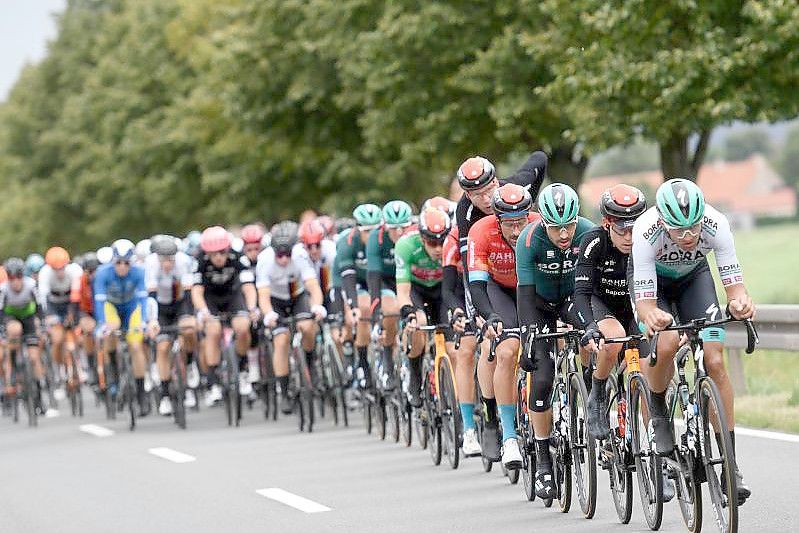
(661, 435)
(511, 455)
(743, 489)
(598, 424)
(544, 481)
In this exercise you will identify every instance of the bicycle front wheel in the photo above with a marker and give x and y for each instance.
(450, 413)
(31, 393)
(616, 453)
(583, 446)
(648, 465)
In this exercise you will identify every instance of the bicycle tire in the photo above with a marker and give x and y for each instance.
(711, 411)
(308, 397)
(406, 420)
(434, 429)
(450, 413)
(620, 474)
(179, 388)
(486, 463)
(561, 462)
(526, 444)
(30, 392)
(648, 466)
(367, 413)
(688, 490)
(582, 446)
(130, 395)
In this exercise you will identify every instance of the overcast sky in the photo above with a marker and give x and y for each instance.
(25, 27)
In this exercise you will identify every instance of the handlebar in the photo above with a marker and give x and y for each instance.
(696, 325)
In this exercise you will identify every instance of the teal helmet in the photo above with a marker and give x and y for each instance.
(33, 264)
(367, 216)
(558, 204)
(680, 203)
(397, 214)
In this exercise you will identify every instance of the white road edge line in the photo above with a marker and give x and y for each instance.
(292, 500)
(172, 455)
(772, 435)
(97, 431)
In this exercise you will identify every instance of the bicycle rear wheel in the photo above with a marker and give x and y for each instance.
(31, 392)
(451, 424)
(648, 465)
(434, 431)
(583, 446)
(179, 388)
(231, 384)
(718, 457)
(616, 454)
(562, 460)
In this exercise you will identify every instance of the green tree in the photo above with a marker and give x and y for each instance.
(635, 157)
(789, 165)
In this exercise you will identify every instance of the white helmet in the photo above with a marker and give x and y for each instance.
(105, 254)
(143, 249)
(237, 244)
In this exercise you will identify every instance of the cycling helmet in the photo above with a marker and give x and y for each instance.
(284, 236)
(105, 254)
(312, 232)
(344, 224)
(90, 262)
(237, 244)
(439, 202)
(511, 201)
(215, 239)
(558, 204)
(252, 234)
(33, 264)
(397, 214)
(476, 172)
(622, 202)
(164, 245)
(143, 249)
(367, 216)
(57, 257)
(327, 223)
(15, 267)
(434, 224)
(122, 249)
(680, 203)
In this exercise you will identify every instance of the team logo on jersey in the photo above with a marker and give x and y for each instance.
(590, 247)
(550, 254)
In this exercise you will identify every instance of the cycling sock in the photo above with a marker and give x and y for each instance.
(507, 414)
(490, 409)
(189, 358)
(243, 363)
(211, 375)
(140, 385)
(309, 356)
(542, 451)
(284, 385)
(467, 414)
(363, 359)
(165, 388)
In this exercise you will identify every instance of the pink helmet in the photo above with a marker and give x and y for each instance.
(252, 234)
(215, 239)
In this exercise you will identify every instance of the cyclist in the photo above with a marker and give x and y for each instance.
(168, 280)
(19, 308)
(120, 302)
(223, 285)
(86, 310)
(492, 285)
(546, 257)
(381, 272)
(439, 202)
(33, 264)
(601, 295)
(315, 248)
(252, 235)
(141, 251)
(329, 224)
(351, 258)
(669, 272)
(59, 289)
(288, 287)
(342, 336)
(418, 273)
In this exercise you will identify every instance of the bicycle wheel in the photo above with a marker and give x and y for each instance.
(615, 453)
(380, 416)
(394, 419)
(178, 388)
(688, 490)
(648, 466)
(562, 461)
(526, 443)
(583, 446)
(30, 392)
(231, 385)
(434, 431)
(450, 413)
(130, 398)
(406, 418)
(718, 456)
(479, 425)
(367, 412)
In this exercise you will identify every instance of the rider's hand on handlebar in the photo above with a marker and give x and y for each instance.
(493, 326)
(270, 319)
(255, 314)
(153, 328)
(459, 321)
(593, 338)
(656, 320)
(741, 307)
(319, 312)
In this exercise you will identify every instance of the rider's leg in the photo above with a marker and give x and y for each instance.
(507, 352)
(464, 377)
(390, 309)
(56, 332)
(362, 331)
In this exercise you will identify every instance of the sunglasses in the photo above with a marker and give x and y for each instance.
(252, 248)
(433, 243)
(313, 246)
(282, 253)
(621, 229)
(563, 227)
(680, 233)
(223, 252)
(16, 276)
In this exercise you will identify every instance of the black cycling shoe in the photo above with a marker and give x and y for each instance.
(492, 441)
(663, 443)
(743, 489)
(598, 424)
(286, 406)
(144, 404)
(544, 481)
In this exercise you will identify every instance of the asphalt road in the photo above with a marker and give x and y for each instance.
(59, 478)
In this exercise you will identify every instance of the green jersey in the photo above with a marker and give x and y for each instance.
(413, 263)
(380, 253)
(541, 263)
(351, 255)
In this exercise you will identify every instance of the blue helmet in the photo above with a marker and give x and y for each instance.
(33, 264)
(123, 249)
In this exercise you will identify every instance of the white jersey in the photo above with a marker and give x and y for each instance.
(286, 282)
(655, 254)
(168, 286)
(323, 267)
(56, 288)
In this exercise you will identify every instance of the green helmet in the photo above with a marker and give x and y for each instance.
(558, 204)
(367, 216)
(397, 213)
(680, 203)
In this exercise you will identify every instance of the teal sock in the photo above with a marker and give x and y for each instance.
(467, 414)
(507, 414)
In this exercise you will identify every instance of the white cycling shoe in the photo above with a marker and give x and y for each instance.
(471, 446)
(190, 399)
(192, 376)
(214, 395)
(511, 455)
(245, 387)
(165, 407)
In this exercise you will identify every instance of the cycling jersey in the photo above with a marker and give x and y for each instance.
(380, 253)
(20, 305)
(284, 282)
(167, 287)
(323, 267)
(351, 258)
(124, 293)
(226, 280)
(413, 264)
(530, 175)
(60, 288)
(490, 255)
(540, 263)
(655, 254)
(86, 300)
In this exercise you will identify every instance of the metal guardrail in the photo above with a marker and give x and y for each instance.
(778, 329)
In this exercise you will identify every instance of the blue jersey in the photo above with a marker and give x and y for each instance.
(122, 293)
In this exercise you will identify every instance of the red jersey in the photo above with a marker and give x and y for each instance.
(452, 251)
(490, 255)
(86, 300)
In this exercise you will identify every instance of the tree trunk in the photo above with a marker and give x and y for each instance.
(679, 160)
(567, 165)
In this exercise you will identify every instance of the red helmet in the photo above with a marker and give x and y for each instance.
(434, 224)
(215, 239)
(439, 202)
(328, 223)
(476, 172)
(252, 234)
(56, 257)
(312, 232)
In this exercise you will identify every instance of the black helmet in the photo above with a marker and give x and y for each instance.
(284, 236)
(622, 202)
(511, 200)
(90, 262)
(476, 172)
(15, 267)
(345, 223)
(164, 245)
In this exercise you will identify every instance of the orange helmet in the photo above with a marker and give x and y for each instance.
(312, 232)
(252, 234)
(56, 257)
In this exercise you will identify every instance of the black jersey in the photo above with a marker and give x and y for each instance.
(601, 272)
(227, 279)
